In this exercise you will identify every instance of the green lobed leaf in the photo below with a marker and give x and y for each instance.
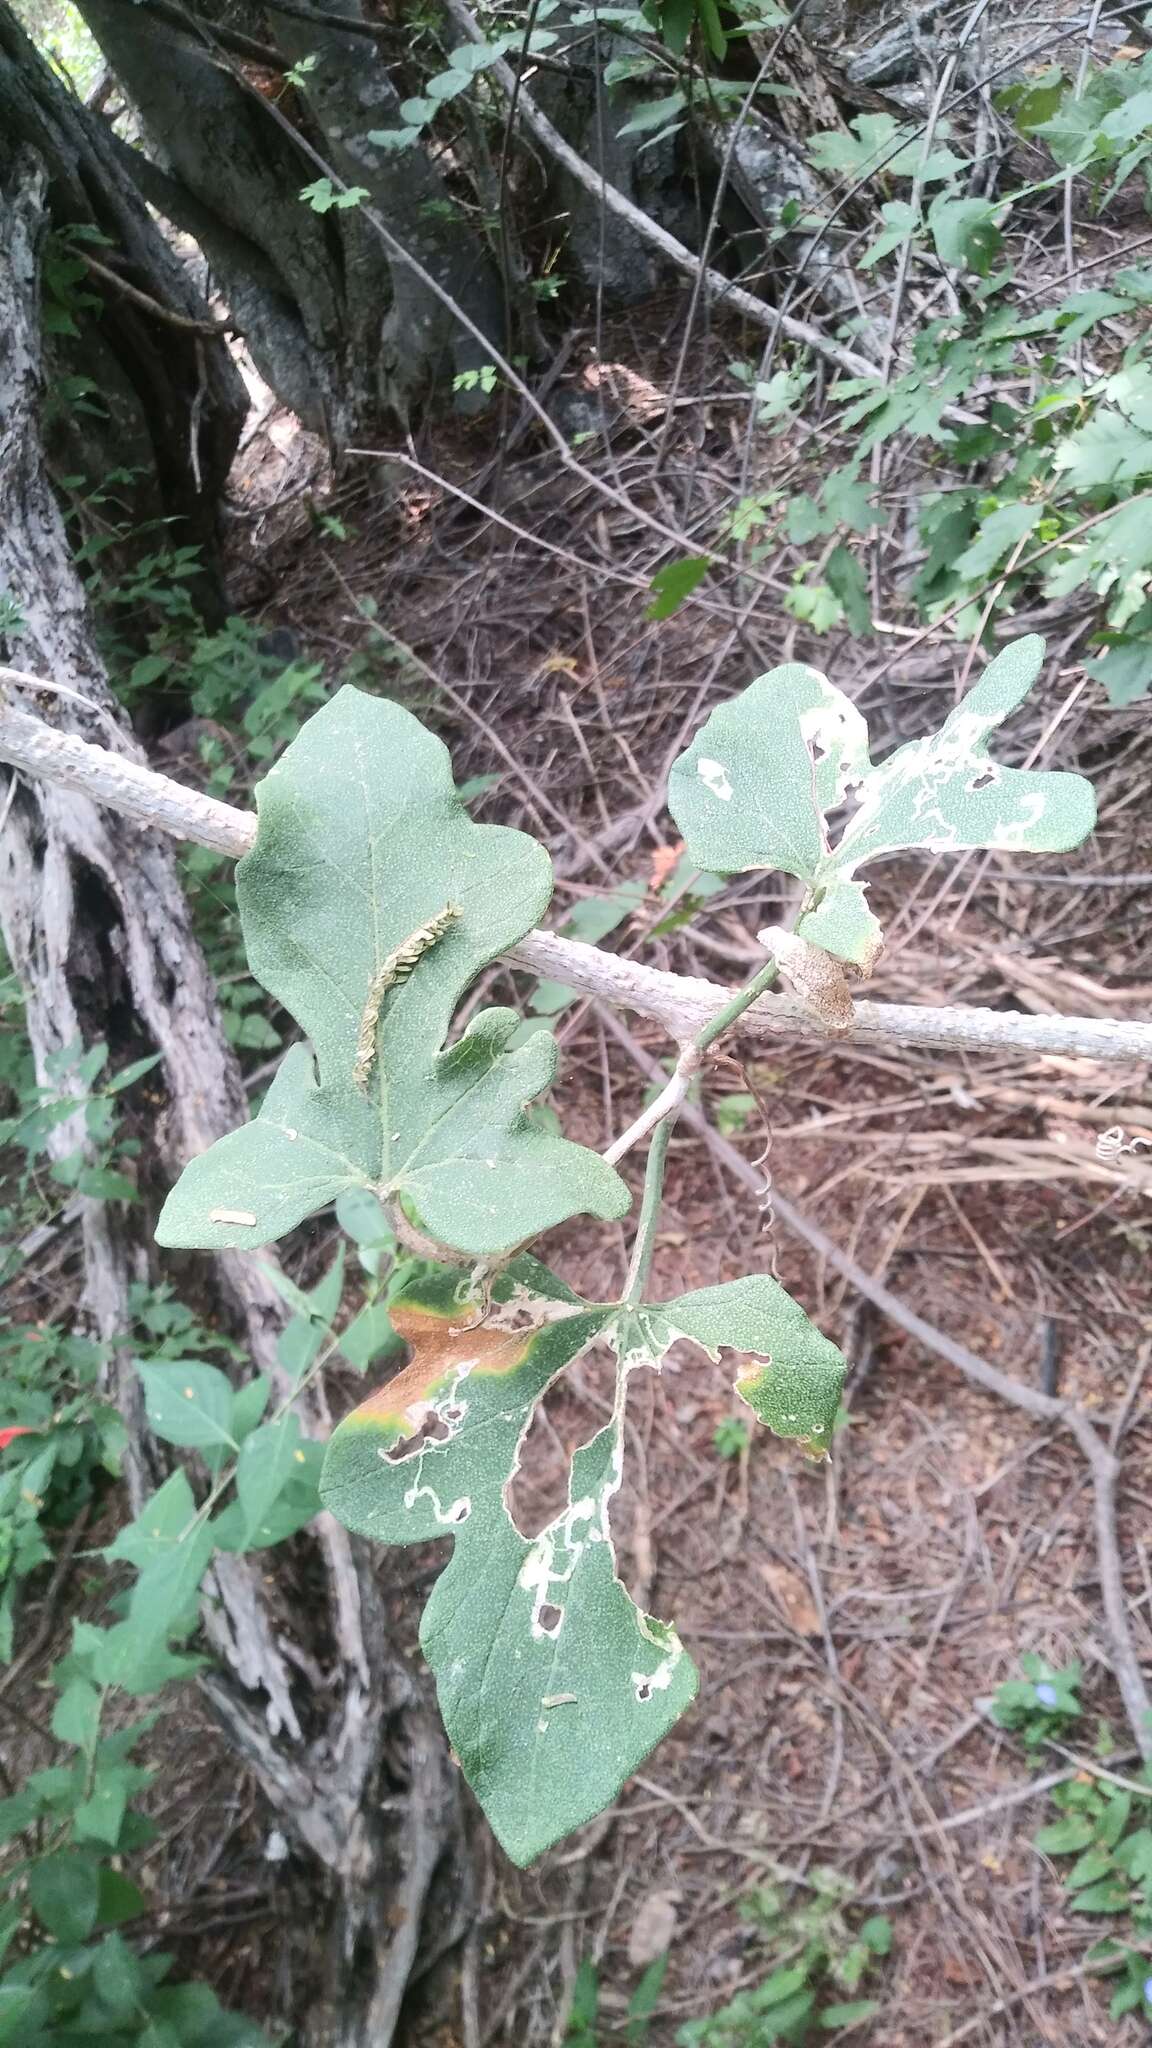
(750, 789)
(796, 1391)
(362, 843)
(965, 233)
(552, 1684)
(754, 788)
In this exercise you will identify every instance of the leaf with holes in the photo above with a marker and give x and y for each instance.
(369, 904)
(795, 1387)
(756, 785)
(552, 1684)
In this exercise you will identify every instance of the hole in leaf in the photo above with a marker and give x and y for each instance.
(513, 1315)
(644, 1692)
(984, 780)
(572, 1410)
(433, 1430)
(460, 1512)
(549, 1619)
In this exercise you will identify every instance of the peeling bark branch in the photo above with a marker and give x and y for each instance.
(98, 929)
(682, 1003)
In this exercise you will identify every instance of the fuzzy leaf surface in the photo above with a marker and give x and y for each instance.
(754, 788)
(362, 844)
(552, 1684)
(795, 1391)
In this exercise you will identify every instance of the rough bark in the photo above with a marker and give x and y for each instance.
(97, 927)
(168, 405)
(339, 330)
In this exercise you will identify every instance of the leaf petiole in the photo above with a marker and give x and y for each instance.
(668, 1103)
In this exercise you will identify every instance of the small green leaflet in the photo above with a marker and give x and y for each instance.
(1125, 670)
(754, 789)
(796, 1392)
(189, 1404)
(997, 535)
(676, 581)
(552, 1684)
(965, 233)
(363, 841)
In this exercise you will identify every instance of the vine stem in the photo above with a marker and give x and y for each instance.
(660, 1118)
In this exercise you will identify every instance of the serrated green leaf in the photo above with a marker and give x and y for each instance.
(849, 2015)
(1125, 671)
(1109, 450)
(362, 844)
(552, 1685)
(189, 1404)
(995, 537)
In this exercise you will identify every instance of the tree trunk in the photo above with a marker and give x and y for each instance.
(340, 329)
(97, 927)
(164, 403)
